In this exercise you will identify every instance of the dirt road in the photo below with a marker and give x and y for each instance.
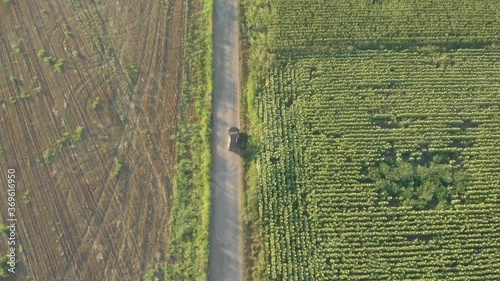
(225, 261)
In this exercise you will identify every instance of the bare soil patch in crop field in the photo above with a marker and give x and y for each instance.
(91, 205)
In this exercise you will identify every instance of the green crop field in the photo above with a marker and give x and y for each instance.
(378, 127)
(300, 24)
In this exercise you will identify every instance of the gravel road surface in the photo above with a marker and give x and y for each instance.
(226, 255)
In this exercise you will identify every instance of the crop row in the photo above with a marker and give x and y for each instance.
(307, 23)
(326, 119)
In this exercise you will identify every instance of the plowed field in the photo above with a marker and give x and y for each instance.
(91, 205)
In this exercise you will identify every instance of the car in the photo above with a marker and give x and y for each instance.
(233, 136)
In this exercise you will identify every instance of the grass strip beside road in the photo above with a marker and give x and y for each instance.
(190, 201)
(256, 63)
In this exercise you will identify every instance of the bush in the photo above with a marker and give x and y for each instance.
(132, 73)
(78, 134)
(16, 47)
(64, 141)
(117, 168)
(59, 67)
(37, 90)
(27, 196)
(48, 155)
(42, 53)
(421, 187)
(24, 95)
(4, 273)
(251, 150)
(3, 228)
(155, 274)
(95, 103)
(49, 60)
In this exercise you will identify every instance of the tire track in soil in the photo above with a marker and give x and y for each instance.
(68, 155)
(95, 216)
(20, 111)
(21, 114)
(79, 115)
(67, 247)
(100, 216)
(150, 160)
(142, 140)
(59, 216)
(141, 119)
(172, 85)
(155, 66)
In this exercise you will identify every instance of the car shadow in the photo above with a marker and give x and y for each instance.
(245, 150)
(243, 139)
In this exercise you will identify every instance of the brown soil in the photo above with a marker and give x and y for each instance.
(83, 223)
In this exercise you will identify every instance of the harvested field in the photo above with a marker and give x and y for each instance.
(90, 96)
